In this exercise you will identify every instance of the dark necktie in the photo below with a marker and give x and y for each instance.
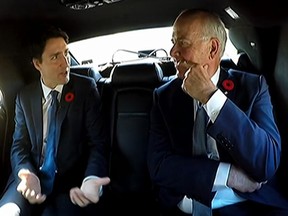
(199, 148)
(48, 168)
(199, 132)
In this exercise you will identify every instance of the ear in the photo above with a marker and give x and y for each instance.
(36, 63)
(214, 48)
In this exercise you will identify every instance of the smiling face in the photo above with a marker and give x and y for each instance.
(192, 44)
(54, 65)
(188, 46)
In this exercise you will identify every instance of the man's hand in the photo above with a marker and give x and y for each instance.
(30, 187)
(89, 191)
(240, 181)
(197, 83)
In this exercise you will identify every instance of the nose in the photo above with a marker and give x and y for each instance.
(66, 60)
(174, 52)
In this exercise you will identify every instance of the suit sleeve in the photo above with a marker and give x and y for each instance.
(21, 147)
(250, 135)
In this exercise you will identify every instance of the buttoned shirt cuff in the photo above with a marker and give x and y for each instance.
(94, 177)
(185, 205)
(215, 104)
(221, 178)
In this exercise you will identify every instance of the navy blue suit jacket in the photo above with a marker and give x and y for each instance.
(81, 136)
(245, 132)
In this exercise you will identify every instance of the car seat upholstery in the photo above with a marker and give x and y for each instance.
(128, 100)
(244, 63)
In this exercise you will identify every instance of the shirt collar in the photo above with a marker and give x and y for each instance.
(215, 77)
(47, 90)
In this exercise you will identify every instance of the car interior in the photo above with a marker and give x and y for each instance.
(258, 30)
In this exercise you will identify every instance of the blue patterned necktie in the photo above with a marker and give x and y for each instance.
(48, 168)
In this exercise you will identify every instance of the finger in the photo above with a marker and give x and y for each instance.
(81, 200)
(71, 194)
(74, 193)
(27, 193)
(264, 182)
(184, 66)
(30, 195)
(33, 194)
(104, 181)
(21, 187)
(40, 198)
(187, 73)
(184, 83)
(94, 198)
(78, 198)
(259, 186)
(31, 200)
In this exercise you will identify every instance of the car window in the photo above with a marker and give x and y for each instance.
(127, 46)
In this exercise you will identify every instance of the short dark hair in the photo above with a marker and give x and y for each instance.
(39, 37)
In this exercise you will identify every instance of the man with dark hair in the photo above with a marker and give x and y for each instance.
(59, 164)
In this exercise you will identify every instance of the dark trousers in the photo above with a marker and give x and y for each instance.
(246, 208)
(249, 208)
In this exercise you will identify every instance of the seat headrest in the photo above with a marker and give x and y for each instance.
(228, 63)
(86, 71)
(244, 63)
(140, 74)
(168, 68)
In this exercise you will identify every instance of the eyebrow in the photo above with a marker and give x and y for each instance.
(59, 52)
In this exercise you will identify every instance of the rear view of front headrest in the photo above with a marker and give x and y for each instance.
(142, 74)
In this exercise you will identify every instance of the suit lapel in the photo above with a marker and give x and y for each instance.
(63, 108)
(37, 115)
(227, 84)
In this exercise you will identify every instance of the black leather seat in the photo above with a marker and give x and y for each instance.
(127, 100)
(244, 63)
(86, 71)
(3, 133)
(228, 63)
(10, 83)
(91, 72)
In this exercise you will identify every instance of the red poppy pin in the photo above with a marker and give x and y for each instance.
(228, 85)
(69, 97)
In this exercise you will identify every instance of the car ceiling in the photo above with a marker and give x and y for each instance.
(131, 14)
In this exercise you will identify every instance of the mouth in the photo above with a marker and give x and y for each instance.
(182, 65)
(65, 72)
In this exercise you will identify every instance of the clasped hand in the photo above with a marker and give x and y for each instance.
(197, 83)
(30, 187)
(89, 192)
(240, 181)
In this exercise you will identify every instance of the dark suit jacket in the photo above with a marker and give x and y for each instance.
(81, 136)
(244, 130)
